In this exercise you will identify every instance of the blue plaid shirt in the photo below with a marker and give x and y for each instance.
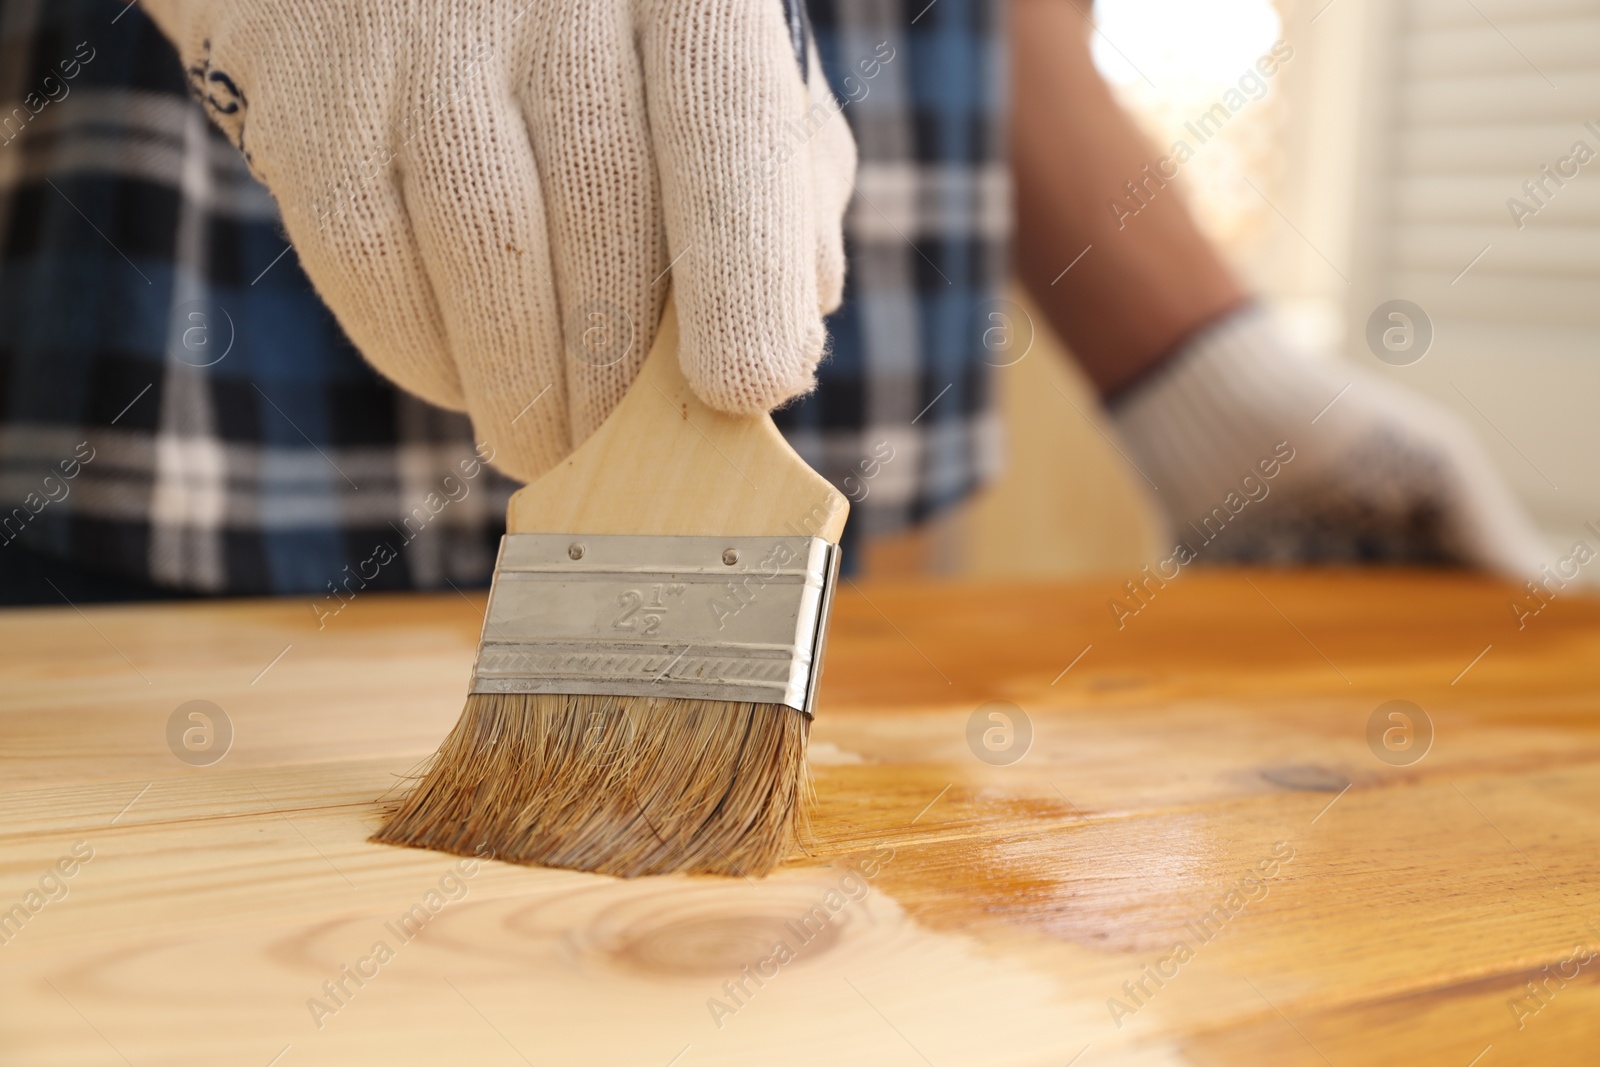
(168, 378)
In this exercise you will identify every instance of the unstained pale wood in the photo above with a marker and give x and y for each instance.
(999, 913)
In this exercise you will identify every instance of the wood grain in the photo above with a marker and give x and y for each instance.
(959, 912)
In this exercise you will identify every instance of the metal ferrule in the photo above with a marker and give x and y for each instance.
(702, 618)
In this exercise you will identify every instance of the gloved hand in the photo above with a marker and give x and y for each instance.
(493, 197)
(1260, 454)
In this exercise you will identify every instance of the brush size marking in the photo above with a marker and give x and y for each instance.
(643, 614)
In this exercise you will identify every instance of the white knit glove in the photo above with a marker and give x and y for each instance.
(490, 195)
(1259, 453)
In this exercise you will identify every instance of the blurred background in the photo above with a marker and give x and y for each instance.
(1384, 161)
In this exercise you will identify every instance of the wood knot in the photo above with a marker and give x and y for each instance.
(1306, 778)
(711, 932)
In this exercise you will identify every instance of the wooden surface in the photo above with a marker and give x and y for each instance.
(664, 462)
(1008, 904)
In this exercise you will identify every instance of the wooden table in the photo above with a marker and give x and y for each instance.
(958, 911)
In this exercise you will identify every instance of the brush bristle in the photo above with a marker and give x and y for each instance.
(614, 784)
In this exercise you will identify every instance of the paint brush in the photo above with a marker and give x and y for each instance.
(648, 667)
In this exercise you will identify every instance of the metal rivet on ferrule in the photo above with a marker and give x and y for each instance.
(575, 550)
(730, 556)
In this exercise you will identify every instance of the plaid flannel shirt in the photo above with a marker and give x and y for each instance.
(177, 406)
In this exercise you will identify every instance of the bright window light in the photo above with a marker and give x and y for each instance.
(1173, 63)
(1180, 43)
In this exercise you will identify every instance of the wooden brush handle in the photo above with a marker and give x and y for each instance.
(665, 463)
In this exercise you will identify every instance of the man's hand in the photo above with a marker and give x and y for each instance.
(1260, 454)
(492, 198)
(1379, 475)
